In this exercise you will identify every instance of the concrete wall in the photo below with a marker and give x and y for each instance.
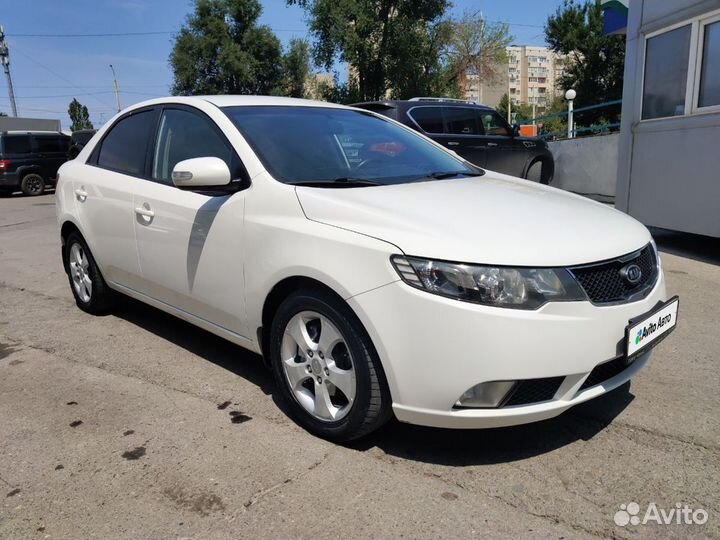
(28, 124)
(587, 165)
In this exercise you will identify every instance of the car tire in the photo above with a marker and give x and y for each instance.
(306, 384)
(87, 284)
(535, 173)
(32, 184)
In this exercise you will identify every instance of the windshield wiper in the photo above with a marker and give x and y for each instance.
(442, 175)
(341, 182)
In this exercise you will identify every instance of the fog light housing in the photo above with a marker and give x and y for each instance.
(485, 395)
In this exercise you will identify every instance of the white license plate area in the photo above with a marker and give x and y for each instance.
(648, 330)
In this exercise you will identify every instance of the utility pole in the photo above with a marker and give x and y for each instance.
(117, 89)
(5, 58)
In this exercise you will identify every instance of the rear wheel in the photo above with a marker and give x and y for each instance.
(326, 370)
(86, 282)
(32, 184)
(535, 172)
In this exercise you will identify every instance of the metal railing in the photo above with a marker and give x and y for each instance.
(578, 128)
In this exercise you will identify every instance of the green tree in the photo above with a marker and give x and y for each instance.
(296, 68)
(595, 63)
(520, 112)
(391, 45)
(222, 50)
(477, 47)
(79, 116)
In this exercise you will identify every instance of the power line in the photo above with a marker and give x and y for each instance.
(128, 34)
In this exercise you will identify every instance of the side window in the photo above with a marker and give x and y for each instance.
(430, 119)
(124, 147)
(461, 121)
(16, 144)
(494, 124)
(666, 67)
(186, 135)
(51, 143)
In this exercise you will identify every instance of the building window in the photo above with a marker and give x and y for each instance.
(709, 93)
(666, 66)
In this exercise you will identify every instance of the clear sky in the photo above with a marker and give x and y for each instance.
(49, 71)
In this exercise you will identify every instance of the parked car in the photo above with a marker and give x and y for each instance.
(475, 132)
(29, 161)
(375, 271)
(78, 141)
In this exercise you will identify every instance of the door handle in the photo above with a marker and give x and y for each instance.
(492, 144)
(143, 211)
(81, 194)
(452, 143)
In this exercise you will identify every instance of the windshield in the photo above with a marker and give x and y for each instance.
(317, 145)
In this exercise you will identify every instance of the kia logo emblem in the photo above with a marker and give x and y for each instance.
(631, 273)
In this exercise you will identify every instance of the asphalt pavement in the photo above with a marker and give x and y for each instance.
(138, 425)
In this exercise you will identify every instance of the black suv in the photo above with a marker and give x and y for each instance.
(79, 139)
(29, 161)
(476, 132)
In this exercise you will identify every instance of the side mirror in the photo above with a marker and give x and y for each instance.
(201, 172)
(515, 130)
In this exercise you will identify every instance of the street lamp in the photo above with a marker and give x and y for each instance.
(570, 96)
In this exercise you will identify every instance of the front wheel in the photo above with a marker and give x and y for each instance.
(535, 173)
(326, 369)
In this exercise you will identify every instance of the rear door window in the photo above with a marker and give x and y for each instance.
(48, 144)
(462, 121)
(125, 147)
(16, 144)
(430, 119)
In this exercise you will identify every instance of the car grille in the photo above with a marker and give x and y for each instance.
(533, 391)
(605, 371)
(604, 284)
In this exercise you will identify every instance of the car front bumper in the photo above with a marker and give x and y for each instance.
(433, 349)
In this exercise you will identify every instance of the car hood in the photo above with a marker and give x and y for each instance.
(492, 219)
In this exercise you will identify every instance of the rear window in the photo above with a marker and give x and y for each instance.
(430, 119)
(52, 143)
(124, 148)
(16, 144)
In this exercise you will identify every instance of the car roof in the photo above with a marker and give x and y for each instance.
(25, 132)
(395, 103)
(239, 101)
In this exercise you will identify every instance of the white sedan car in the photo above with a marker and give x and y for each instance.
(377, 272)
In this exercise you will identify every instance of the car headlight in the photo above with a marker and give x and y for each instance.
(519, 288)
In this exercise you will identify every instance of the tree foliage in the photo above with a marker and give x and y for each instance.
(392, 46)
(296, 68)
(222, 50)
(596, 61)
(476, 46)
(79, 116)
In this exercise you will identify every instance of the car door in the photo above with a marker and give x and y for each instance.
(503, 155)
(465, 134)
(103, 190)
(190, 242)
(51, 150)
(432, 120)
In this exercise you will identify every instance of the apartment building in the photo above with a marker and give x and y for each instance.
(533, 74)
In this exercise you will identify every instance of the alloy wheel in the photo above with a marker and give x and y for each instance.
(318, 366)
(80, 272)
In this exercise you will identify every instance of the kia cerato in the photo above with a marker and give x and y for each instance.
(377, 272)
